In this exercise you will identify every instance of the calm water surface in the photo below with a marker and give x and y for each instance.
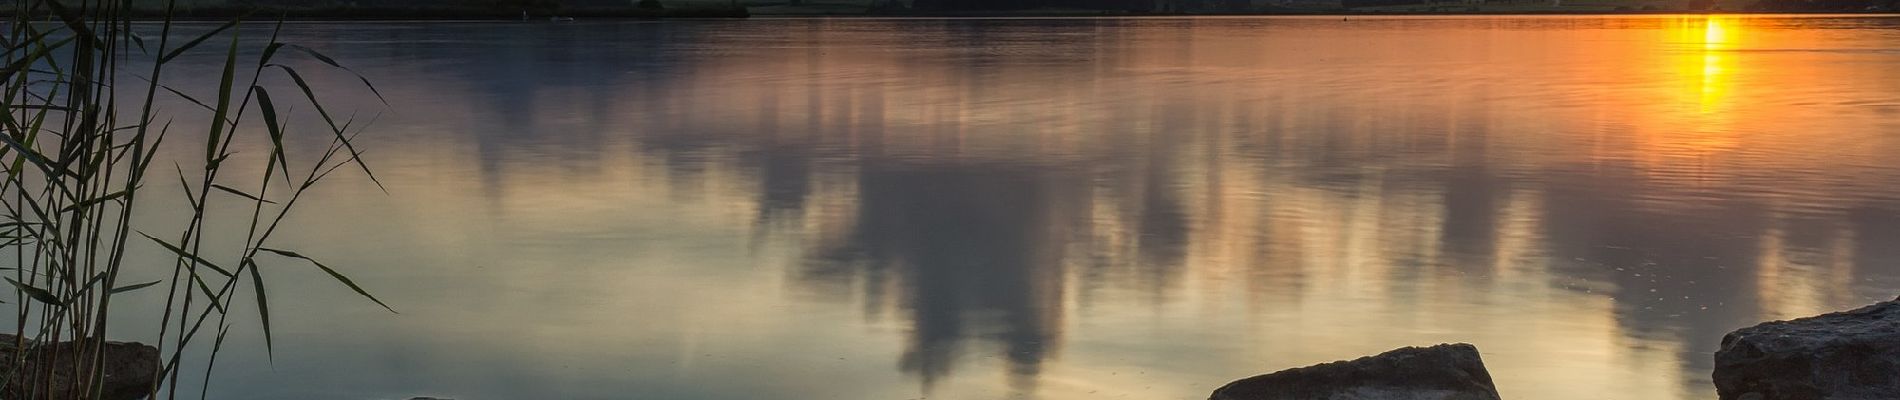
(1080, 208)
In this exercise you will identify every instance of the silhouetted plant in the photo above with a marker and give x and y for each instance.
(77, 156)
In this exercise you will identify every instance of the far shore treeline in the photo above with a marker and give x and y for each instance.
(1271, 6)
(436, 9)
(541, 10)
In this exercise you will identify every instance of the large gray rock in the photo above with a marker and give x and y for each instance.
(1442, 372)
(1846, 355)
(130, 369)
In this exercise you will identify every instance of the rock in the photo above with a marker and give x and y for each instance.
(1846, 355)
(130, 369)
(1442, 372)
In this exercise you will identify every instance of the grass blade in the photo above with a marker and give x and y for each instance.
(333, 274)
(38, 160)
(224, 100)
(138, 40)
(187, 97)
(128, 288)
(200, 39)
(37, 293)
(97, 200)
(188, 255)
(355, 156)
(275, 130)
(240, 193)
(332, 62)
(187, 186)
(269, 51)
(263, 306)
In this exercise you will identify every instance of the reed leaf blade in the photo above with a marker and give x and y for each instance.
(41, 295)
(345, 280)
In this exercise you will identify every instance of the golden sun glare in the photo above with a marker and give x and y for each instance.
(1715, 39)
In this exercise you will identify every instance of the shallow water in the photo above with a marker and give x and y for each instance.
(1080, 208)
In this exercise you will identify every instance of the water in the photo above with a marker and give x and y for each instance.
(1079, 208)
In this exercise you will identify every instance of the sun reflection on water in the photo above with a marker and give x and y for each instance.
(1699, 119)
(1715, 40)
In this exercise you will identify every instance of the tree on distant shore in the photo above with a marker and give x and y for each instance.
(528, 6)
(1822, 5)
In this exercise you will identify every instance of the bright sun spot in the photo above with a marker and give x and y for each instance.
(1713, 35)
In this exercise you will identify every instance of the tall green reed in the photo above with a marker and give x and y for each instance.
(77, 156)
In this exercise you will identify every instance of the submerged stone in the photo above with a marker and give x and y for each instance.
(1847, 355)
(1442, 372)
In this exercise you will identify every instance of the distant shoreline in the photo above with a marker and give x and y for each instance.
(1347, 13)
(373, 14)
(428, 14)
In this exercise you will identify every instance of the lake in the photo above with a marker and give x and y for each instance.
(1073, 208)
